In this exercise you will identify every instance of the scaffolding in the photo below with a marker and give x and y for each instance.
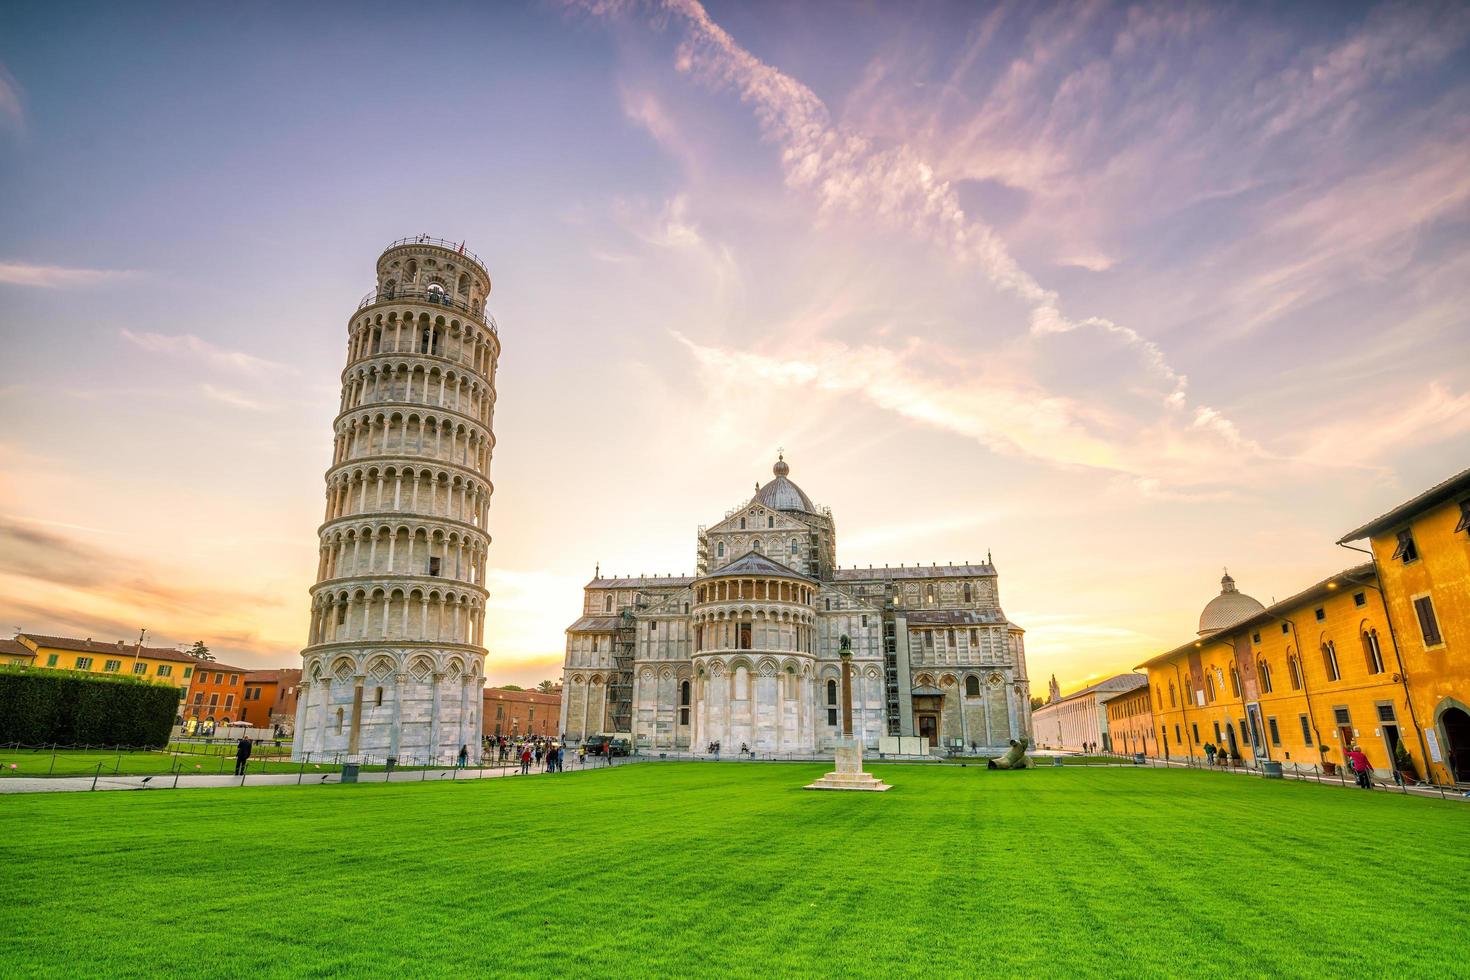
(620, 683)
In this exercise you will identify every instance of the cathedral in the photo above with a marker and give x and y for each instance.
(745, 652)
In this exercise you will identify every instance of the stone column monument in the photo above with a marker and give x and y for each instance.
(848, 772)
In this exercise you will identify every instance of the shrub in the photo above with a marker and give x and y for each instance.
(43, 706)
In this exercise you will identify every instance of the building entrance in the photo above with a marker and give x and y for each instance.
(1456, 726)
(929, 728)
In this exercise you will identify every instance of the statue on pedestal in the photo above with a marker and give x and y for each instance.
(848, 769)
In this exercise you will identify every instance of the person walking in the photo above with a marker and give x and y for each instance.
(526, 761)
(242, 754)
(464, 756)
(581, 755)
(1362, 769)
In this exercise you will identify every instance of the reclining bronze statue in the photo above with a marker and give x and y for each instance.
(1015, 758)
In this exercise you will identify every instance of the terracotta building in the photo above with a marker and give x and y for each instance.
(516, 713)
(270, 698)
(216, 694)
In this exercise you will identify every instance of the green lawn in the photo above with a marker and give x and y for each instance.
(80, 762)
(707, 869)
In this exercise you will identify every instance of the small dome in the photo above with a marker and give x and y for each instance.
(1228, 608)
(782, 494)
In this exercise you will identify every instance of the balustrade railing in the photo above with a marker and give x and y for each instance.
(432, 296)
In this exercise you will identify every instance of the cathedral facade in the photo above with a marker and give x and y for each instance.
(745, 652)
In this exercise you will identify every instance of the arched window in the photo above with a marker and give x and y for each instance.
(1372, 653)
(793, 546)
(1263, 670)
(720, 550)
(831, 692)
(972, 686)
(684, 693)
(969, 593)
(1234, 681)
(1209, 687)
(436, 293)
(607, 603)
(339, 721)
(1172, 701)
(756, 546)
(1294, 670)
(742, 523)
(1329, 661)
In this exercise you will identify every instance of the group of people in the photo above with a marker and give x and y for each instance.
(545, 754)
(1089, 747)
(1362, 768)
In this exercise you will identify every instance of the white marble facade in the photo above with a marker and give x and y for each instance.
(745, 652)
(394, 663)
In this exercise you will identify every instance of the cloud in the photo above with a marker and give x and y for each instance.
(848, 174)
(190, 346)
(234, 399)
(32, 552)
(55, 276)
(12, 107)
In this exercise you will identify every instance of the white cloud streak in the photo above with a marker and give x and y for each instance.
(56, 277)
(196, 348)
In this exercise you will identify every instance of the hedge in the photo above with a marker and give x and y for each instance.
(63, 707)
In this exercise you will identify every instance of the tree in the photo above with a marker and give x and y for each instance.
(511, 687)
(200, 651)
(1036, 703)
(546, 687)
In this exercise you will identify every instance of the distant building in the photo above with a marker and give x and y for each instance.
(216, 695)
(747, 650)
(1299, 681)
(270, 698)
(1080, 717)
(1131, 722)
(516, 713)
(1421, 553)
(16, 654)
(163, 665)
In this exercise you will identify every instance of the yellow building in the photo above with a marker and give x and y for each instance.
(1421, 550)
(1297, 682)
(159, 664)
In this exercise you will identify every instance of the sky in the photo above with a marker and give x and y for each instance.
(1119, 294)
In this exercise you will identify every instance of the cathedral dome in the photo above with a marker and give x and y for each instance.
(1228, 608)
(782, 494)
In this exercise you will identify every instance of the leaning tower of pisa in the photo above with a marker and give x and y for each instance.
(394, 665)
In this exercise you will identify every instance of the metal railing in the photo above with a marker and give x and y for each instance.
(456, 247)
(433, 297)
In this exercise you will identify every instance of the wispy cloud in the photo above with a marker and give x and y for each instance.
(190, 346)
(234, 399)
(848, 174)
(56, 277)
(12, 108)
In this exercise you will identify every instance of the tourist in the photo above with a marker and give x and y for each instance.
(581, 755)
(464, 756)
(1362, 769)
(526, 761)
(1210, 753)
(242, 754)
